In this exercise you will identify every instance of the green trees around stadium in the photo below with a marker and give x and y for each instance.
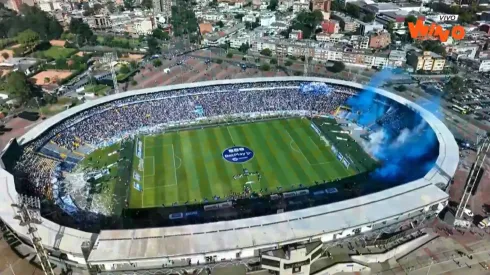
(18, 86)
(266, 52)
(337, 67)
(157, 63)
(28, 18)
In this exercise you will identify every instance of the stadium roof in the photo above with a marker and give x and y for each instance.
(119, 245)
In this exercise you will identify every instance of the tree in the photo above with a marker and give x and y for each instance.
(17, 86)
(455, 85)
(229, 55)
(273, 61)
(129, 4)
(288, 63)
(368, 18)
(82, 31)
(410, 18)
(160, 34)
(133, 64)
(157, 63)
(152, 46)
(266, 52)
(125, 69)
(433, 46)
(28, 38)
(220, 24)
(307, 22)
(401, 88)
(272, 5)
(183, 19)
(5, 55)
(337, 67)
(352, 10)
(60, 63)
(147, 4)
(265, 67)
(244, 48)
(219, 61)
(465, 17)
(11, 24)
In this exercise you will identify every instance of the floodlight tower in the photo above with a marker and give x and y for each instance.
(28, 212)
(483, 144)
(111, 58)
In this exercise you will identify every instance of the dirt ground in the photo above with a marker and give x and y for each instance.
(54, 77)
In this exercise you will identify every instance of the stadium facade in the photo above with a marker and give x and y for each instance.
(285, 242)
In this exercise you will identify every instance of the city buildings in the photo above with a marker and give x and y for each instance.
(163, 6)
(426, 61)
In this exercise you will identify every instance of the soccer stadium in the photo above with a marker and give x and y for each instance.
(264, 172)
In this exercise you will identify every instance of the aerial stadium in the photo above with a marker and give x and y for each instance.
(188, 176)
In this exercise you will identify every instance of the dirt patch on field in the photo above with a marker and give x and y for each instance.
(50, 77)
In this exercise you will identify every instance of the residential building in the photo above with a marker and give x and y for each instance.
(367, 27)
(331, 26)
(426, 61)
(248, 18)
(267, 19)
(142, 26)
(163, 7)
(397, 59)
(359, 42)
(484, 66)
(296, 35)
(327, 37)
(463, 50)
(301, 5)
(323, 6)
(237, 40)
(379, 40)
(349, 24)
(322, 52)
(396, 19)
(98, 22)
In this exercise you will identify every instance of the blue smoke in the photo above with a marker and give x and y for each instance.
(403, 142)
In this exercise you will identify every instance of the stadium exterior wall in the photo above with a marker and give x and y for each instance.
(246, 236)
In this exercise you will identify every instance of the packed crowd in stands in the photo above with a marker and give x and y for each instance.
(127, 116)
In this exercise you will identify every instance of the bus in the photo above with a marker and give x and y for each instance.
(459, 109)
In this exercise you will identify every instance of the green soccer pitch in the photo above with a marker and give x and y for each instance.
(187, 166)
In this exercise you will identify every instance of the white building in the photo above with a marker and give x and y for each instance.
(484, 66)
(332, 38)
(359, 41)
(248, 18)
(267, 19)
(237, 40)
(143, 26)
(300, 5)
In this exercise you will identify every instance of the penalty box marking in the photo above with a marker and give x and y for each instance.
(165, 168)
(153, 167)
(298, 150)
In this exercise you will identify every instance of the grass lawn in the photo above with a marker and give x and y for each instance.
(97, 89)
(133, 43)
(59, 52)
(188, 166)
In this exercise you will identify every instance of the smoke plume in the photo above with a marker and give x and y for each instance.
(400, 139)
